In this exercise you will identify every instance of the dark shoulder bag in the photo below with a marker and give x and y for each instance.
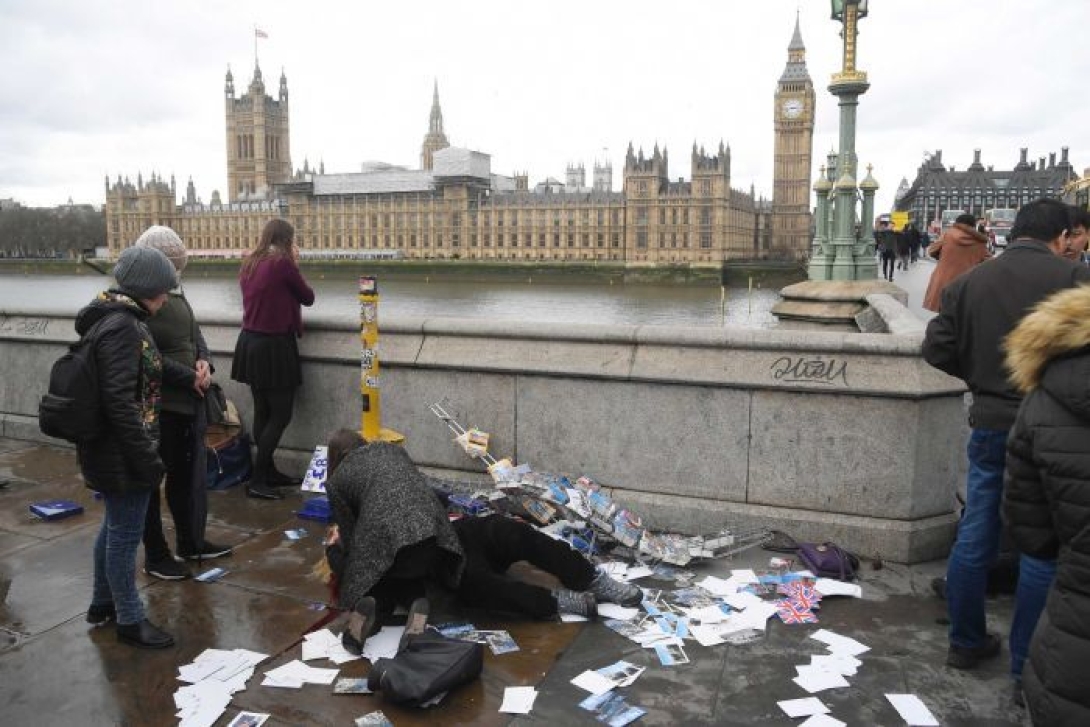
(429, 665)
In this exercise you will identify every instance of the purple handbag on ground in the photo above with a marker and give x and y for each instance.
(828, 560)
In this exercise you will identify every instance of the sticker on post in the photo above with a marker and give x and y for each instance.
(314, 481)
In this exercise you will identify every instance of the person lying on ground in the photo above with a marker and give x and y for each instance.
(392, 536)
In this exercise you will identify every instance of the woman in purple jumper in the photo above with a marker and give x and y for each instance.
(267, 354)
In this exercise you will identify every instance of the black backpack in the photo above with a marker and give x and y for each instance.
(70, 409)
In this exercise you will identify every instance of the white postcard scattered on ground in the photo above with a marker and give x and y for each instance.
(518, 700)
(593, 682)
(612, 610)
(839, 644)
(912, 710)
(840, 663)
(833, 587)
(816, 680)
(383, 645)
(822, 720)
(324, 644)
(803, 707)
(636, 571)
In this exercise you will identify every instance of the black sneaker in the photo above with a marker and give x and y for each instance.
(262, 492)
(576, 603)
(962, 657)
(101, 615)
(144, 635)
(167, 569)
(206, 551)
(606, 588)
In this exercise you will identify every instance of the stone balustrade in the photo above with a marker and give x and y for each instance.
(840, 436)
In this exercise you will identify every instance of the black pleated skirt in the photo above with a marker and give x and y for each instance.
(267, 360)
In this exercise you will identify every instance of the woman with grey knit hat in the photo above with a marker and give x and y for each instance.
(187, 373)
(123, 461)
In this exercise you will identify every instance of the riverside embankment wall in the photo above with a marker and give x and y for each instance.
(849, 437)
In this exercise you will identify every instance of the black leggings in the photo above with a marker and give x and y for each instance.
(272, 414)
(176, 450)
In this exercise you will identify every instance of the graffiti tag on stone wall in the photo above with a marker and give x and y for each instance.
(810, 370)
(24, 326)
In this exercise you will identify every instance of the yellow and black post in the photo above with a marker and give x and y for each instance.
(371, 418)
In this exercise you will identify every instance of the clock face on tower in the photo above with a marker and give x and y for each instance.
(792, 108)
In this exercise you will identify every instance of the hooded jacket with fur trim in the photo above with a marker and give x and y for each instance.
(1046, 500)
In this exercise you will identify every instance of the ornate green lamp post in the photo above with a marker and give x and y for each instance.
(845, 255)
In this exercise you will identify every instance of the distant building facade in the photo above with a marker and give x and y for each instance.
(937, 189)
(455, 207)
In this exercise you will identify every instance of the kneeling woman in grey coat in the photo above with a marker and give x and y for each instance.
(394, 535)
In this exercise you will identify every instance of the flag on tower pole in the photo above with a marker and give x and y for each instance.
(258, 33)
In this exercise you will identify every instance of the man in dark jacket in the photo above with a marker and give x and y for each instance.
(1046, 499)
(886, 241)
(122, 462)
(978, 310)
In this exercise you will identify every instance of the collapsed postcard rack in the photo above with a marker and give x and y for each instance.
(581, 511)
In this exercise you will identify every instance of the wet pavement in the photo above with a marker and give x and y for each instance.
(55, 670)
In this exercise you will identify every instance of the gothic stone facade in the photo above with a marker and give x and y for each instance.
(979, 188)
(455, 208)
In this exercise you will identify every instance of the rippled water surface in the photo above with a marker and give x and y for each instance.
(628, 303)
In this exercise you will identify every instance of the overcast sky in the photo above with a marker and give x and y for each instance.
(92, 88)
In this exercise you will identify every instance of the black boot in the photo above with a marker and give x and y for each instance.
(262, 491)
(144, 635)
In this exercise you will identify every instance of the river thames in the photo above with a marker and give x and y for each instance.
(619, 303)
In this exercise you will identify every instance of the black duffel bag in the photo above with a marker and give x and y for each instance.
(429, 665)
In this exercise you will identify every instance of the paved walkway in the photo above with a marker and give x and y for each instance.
(55, 670)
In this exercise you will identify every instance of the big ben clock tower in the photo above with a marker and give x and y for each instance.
(794, 145)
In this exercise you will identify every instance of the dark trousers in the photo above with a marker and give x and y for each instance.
(176, 451)
(272, 414)
(887, 265)
(492, 544)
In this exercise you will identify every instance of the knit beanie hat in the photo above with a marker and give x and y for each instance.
(166, 241)
(144, 272)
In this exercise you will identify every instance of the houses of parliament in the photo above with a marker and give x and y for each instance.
(454, 207)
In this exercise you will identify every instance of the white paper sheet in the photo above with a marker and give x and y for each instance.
(839, 644)
(840, 663)
(744, 575)
(706, 634)
(383, 645)
(822, 720)
(718, 586)
(833, 587)
(638, 571)
(593, 682)
(912, 710)
(518, 700)
(815, 680)
(620, 613)
(571, 618)
(803, 707)
(707, 614)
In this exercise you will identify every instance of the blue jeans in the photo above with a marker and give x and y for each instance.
(975, 551)
(1035, 578)
(115, 555)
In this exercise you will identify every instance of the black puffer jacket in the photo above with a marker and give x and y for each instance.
(130, 370)
(1046, 499)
